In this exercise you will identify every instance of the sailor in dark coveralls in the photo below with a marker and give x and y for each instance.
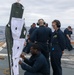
(37, 64)
(41, 36)
(28, 42)
(68, 33)
(33, 27)
(57, 47)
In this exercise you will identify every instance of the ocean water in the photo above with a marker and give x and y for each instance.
(2, 33)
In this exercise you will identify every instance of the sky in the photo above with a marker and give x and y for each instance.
(49, 10)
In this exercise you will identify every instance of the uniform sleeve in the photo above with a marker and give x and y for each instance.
(33, 37)
(61, 39)
(28, 61)
(37, 65)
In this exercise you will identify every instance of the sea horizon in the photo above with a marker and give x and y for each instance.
(2, 33)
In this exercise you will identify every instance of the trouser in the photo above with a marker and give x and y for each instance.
(46, 54)
(29, 73)
(44, 50)
(56, 62)
(68, 45)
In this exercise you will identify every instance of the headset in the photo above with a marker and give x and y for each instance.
(57, 23)
(39, 20)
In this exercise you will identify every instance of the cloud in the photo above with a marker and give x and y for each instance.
(46, 9)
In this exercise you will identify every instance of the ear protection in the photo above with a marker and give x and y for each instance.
(57, 23)
(39, 20)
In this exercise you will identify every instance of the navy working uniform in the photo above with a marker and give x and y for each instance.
(31, 30)
(49, 39)
(41, 35)
(57, 47)
(68, 42)
(28, 46)
(36, 65)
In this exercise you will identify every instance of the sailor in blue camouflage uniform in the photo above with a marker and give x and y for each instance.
(57, 47)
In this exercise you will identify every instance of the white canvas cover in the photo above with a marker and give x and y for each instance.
(16, 27)
(18, 43)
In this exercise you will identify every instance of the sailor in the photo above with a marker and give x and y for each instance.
(57, 47)
(37, 64)
(41, 36)
(33, 27)
(27, 45)
(68, 33)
